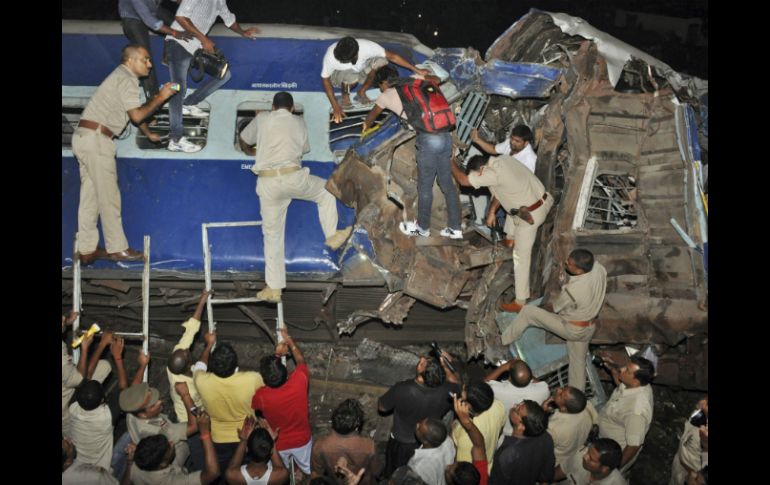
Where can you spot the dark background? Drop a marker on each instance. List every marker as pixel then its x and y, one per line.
pixel 474 23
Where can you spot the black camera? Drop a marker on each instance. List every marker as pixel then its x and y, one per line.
pixel 599 362
pixel 699 418
pixel 212 64
pixel 436 352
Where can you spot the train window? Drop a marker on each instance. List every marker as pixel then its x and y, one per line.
pixel 248 110
pixel 71 110
pixel 344 134
pixel 612 204
pixel 194 129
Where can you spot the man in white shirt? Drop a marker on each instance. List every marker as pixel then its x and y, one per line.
pixel 520 386
pixel 519 145
pixel 352 61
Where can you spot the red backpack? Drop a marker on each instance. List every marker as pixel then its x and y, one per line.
pixel 425 106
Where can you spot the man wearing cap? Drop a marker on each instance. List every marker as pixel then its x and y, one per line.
pixel 522 195
pixel 143 407
pixel 226 393
pixel 115 102
pixel 570 315
pixel 281 139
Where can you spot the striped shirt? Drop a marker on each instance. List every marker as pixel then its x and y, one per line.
pixel 203 14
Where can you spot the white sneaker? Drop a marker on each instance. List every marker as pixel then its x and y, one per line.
pixel 194 111
pixel 183 145
pixel 451 233
pixel 411 228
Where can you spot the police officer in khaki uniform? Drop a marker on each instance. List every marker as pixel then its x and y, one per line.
pixel 571 314
pixel 281 139
pixel 113 104
pixel 627 415
pixel 518 190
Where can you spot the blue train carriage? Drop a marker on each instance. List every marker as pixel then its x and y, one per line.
pixel 168 195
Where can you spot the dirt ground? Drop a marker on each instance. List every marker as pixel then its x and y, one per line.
pixel 366 371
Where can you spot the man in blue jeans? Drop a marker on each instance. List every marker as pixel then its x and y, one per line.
pixel 433 153
pixel 195 17
pixel 137 18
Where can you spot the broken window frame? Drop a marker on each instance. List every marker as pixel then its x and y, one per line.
pixel 592 174
pixel 357 115
pixel 194 129
pixel 72 109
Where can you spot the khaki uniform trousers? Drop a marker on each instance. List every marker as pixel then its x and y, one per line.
pixel 275 194
pixel 577 338
pixel 99 192
pixel 524 236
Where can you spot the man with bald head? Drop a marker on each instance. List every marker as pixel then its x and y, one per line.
pixel 519 386
pixel 180 368
pixel 113 104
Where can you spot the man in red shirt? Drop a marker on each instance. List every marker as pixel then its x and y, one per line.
pixel 283 401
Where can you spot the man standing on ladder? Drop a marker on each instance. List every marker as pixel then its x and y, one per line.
pixel 281 139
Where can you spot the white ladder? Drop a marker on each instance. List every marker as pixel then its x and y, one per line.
pixel 77 303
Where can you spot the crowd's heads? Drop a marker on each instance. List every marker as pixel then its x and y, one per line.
pixel 283 100
pixel 223 360
pixel 433 375
pixel 404 475
pixel 89 395
pixel 603 456
pixel 521 374
pixel 574 399
pixel 180 361
pixel 461 473
pixel 528 418
pixel 479 395
pixel 273 371
pixel 260 445
pixel 386 74
pixel 346 50
pixel 431 432
pixel 476 162
pixel 153 453
pixel 582 259
pixel 348 417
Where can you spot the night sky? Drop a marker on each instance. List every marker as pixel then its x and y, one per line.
pixel 452 23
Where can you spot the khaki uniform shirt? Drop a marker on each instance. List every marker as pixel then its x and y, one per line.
pixel 171 475
pixel 510 181
pixel 570 431
pixel 140 428
pixel 91 433
pixel 490 423
pixel 227 401
pixel 110 103
pixel 627 415
pixel 70 379
pixel 581 298
pixel 191 328
pixel 281 139
pixel 689 448
pixel 577 475
pixel 81 474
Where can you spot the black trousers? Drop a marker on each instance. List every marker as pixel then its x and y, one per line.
pixel 397 454
pixel 138 33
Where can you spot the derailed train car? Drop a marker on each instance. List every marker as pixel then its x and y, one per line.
pixel 621 139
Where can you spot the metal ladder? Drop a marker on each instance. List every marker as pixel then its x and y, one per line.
pixel 207 269
pixel 77 299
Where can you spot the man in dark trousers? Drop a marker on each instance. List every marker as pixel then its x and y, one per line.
pixel 412 400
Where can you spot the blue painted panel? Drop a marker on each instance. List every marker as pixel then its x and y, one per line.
pixel 462 70
pixel 169 199
pixel 531 347
pixel 270 64
pixel 390 126
pixel 518 79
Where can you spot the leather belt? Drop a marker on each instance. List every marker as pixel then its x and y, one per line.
pixel 93 125
pixel 538 203
pixel 581 324
pixel 274 172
